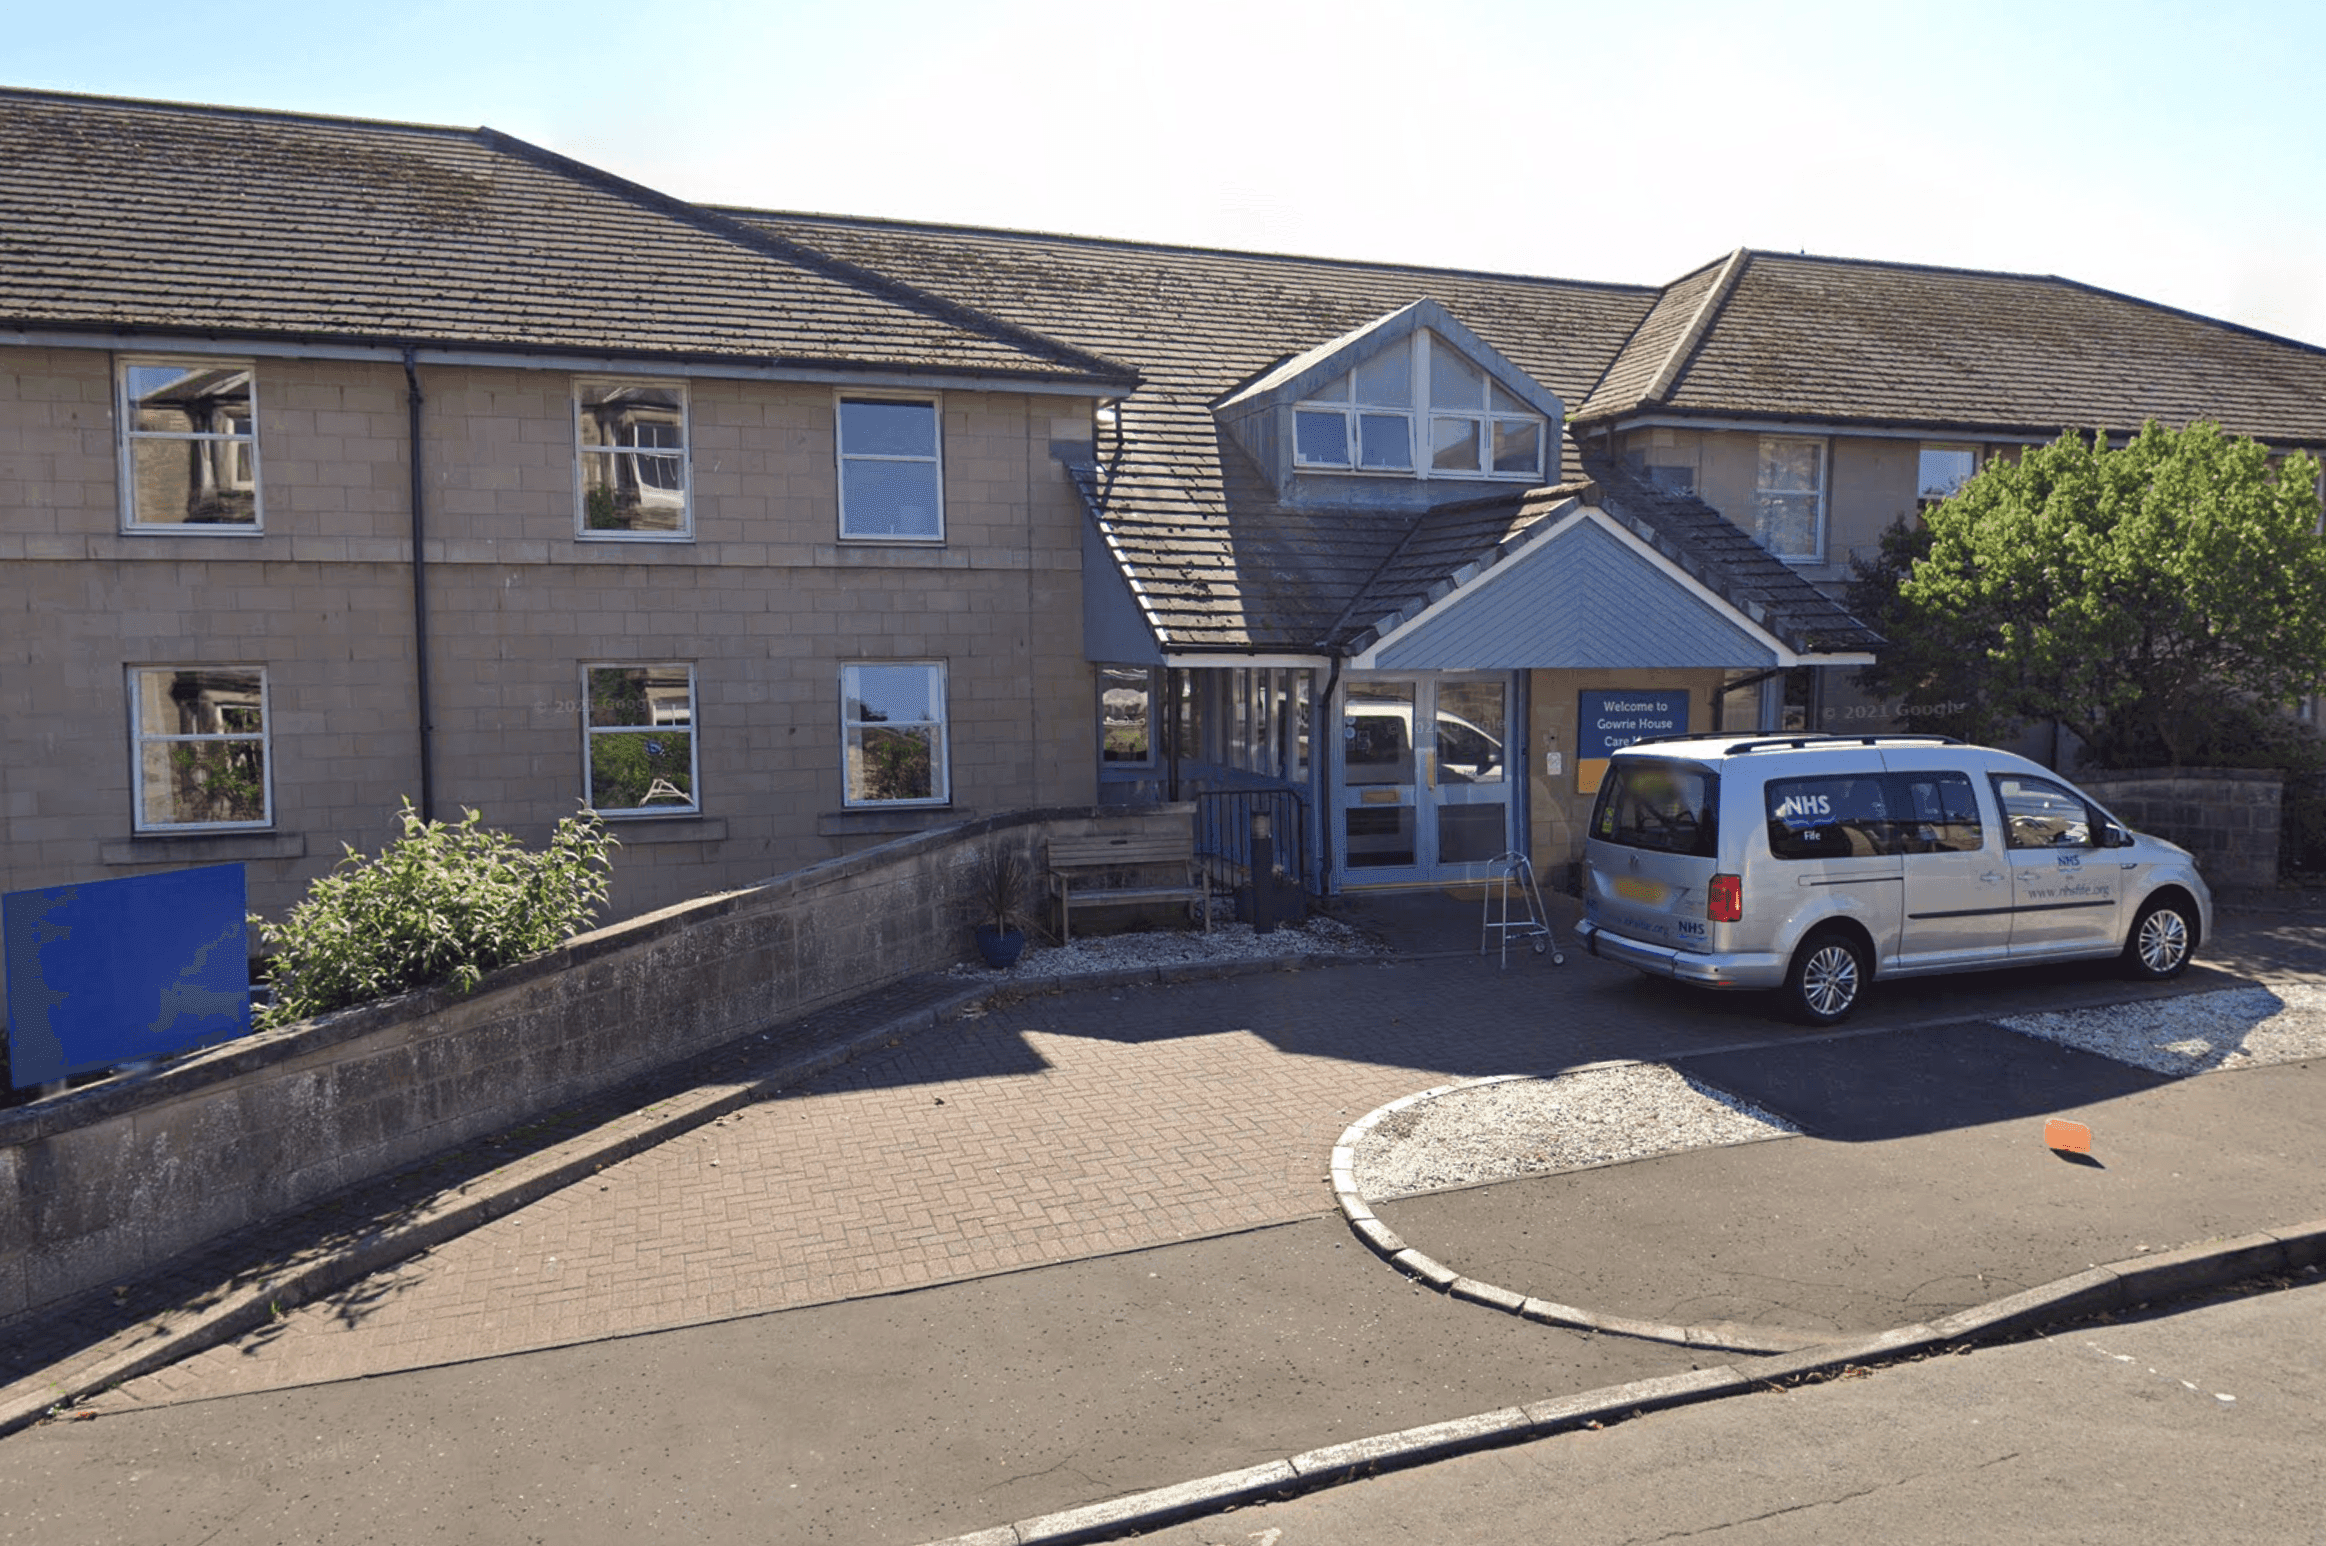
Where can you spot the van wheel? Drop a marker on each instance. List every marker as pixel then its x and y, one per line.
pixel 1828 976
pixel 2161 941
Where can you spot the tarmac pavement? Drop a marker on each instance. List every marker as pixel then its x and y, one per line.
pixel 963 1219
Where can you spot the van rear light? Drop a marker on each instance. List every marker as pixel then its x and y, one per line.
pixel 1725 903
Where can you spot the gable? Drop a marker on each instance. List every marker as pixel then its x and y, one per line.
pixel 1582 599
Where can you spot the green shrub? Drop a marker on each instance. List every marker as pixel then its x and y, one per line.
pixel 444 903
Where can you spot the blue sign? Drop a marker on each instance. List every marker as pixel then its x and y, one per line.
pixel 1609 721
pixel 117 971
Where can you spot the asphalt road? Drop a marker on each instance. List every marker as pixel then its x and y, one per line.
pixel 2202 1427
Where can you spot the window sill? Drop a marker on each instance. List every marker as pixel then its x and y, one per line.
pixel 204 848
pixel 880 822
pixel 648 831
pixel 633 536
pixel 197 529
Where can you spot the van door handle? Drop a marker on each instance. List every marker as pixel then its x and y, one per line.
pixel 1989 878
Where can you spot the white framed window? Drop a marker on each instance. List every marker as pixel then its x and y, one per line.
pixel 638 739
pixel 1127 696
pixel 198 738
pixel 1376 418
pixel 188 445
pixel 1940 470
pixel 892 733
pixel 892 470
pixel 1789 498
pixel 630 438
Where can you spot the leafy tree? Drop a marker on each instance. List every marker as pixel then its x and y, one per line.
pixel 444 903
pixel 2148 598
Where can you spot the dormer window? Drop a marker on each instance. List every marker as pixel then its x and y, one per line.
pixel 1366 420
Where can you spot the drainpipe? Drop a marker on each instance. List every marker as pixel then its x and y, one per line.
pixel 1320 776
pixel 412 400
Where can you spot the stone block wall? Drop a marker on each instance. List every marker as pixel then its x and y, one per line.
pixel 763 600
pixel 2227 817
pixel 105 1182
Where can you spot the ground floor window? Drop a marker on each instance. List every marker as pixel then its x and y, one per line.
pixel 1126 715
pixel 639 739
pixel 893 733
pixel 200 747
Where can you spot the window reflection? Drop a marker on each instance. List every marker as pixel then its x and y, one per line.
pixel 192 435
pixel 633 454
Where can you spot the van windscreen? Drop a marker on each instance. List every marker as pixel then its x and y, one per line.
pixel 1648 802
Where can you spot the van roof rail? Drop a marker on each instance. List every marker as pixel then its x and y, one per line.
pixel 1820 738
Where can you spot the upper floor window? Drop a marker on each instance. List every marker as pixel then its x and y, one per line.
pixel 189 445
pixel 892 474
pixel 1941 470
pixel 1789 498
pixel 639 739
pixel 199 747
pixel 631 437
pixel 1419 398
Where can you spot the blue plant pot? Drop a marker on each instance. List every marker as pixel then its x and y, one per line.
pixel 1000 947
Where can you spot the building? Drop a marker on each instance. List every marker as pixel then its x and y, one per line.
pixel 358 462
pixel 355 461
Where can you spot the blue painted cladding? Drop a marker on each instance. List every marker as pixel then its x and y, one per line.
pixel 1114 630
pixel 1584 600
pixel 118 971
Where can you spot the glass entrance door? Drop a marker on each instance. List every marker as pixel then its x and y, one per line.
pixel 1423 792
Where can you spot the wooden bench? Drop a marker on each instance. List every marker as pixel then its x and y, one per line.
pixel 1081 867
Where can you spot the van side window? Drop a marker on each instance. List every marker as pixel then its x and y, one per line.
pixel 2037 814
pixel 1669 806
pixel 1935 813
pixel 1841 816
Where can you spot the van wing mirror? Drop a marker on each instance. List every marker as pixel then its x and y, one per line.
pixel 2114 836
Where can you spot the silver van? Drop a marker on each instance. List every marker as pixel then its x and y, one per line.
pixel 1814 864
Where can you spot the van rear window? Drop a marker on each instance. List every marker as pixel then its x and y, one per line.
pixel 1670 806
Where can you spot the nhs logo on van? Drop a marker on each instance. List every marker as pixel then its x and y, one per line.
pixel 1802 806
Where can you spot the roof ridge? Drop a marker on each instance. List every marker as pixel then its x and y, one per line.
pixel 1715 297
pixel 854 275
pixel 222 110
pixel 1140 244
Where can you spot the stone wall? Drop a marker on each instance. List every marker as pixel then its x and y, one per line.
pixel 2227 817
pixel 105 1182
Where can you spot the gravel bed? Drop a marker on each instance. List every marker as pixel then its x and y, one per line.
pixel 1173 947
pixel 2233 1028
pixel 1520 1127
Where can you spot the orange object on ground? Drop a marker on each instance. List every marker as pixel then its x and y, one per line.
pixel 2067 1137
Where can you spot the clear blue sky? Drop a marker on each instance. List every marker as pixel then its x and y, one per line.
pixel 2172 151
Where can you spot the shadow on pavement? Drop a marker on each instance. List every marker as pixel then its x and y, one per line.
pixel 1863 1089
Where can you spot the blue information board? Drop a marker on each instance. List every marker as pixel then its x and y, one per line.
pixel 116 971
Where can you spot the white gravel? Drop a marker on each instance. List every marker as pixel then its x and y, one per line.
pixel 1504 1128
pixel 2195 1033
pixel 1172 947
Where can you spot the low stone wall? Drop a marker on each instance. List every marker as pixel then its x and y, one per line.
pixel 102 1183
pixel 2227 817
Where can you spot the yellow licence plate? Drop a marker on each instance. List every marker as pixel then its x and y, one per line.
pixel 1633 889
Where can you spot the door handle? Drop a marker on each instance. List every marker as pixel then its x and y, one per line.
pixel 1989 878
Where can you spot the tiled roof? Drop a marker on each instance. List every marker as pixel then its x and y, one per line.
pixel 1843 341
pixel 1219 564
pixel 200 221
pixel 1727 561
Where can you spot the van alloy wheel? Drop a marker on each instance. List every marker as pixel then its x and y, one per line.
pixel 1827 978
pixel 2159 947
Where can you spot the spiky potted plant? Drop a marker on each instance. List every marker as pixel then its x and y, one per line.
pixel 1000 893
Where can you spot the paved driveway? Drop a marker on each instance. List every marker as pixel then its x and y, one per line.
pixel 1067 1125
